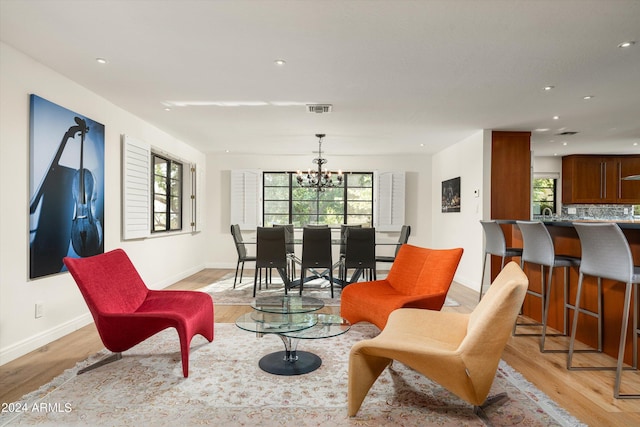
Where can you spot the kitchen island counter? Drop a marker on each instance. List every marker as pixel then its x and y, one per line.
pixel 566 242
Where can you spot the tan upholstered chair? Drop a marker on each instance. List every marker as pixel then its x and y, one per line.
pixel 459 351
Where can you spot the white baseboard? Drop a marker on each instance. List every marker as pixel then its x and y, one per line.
pixel 176 277
pixel 34 342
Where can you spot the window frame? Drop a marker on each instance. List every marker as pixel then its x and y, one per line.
pixel 292 184
pixel 169 195
pixel 554 201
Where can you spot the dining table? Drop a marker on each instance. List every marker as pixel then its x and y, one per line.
pixel 324 274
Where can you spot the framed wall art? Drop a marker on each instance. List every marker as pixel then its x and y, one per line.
pixel 66 185
pixel 451 195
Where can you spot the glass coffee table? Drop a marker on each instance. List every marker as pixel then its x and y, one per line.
pixel 292 318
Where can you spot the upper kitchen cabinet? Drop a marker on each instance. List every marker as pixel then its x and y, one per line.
pixel 629 191
pixel 599 179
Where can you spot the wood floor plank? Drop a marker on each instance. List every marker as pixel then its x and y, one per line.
pixel 587 395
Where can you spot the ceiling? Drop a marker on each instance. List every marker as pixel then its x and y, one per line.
pixel 402 76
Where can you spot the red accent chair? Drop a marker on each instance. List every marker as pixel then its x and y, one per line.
pixel 418 278
pixel 126 312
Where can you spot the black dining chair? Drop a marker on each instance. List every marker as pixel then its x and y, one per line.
pixel 360 254
pixel 343 244
pixel 405 231
pixel 242 251
pixel 316 253
pixel 291 249
pixel 271 252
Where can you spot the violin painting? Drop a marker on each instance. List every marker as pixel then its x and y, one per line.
pixel 86 234
pixel 67 187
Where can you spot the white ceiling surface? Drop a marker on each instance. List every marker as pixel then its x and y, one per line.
pixel 398 73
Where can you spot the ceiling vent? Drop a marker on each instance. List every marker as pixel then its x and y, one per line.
pixel 319 108
pixel 568 133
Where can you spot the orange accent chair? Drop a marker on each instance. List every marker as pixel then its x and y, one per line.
pixel 419 278
pixel 126 312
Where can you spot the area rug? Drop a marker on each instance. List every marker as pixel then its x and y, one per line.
pixel 227 388
pixel 223 292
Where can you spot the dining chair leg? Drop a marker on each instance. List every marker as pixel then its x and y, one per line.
pixel 255 281
pixel 236 278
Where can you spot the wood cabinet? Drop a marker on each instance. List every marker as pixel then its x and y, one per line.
pixel 629 191
pixel 599 179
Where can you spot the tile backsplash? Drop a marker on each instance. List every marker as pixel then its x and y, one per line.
pixel 606 212
pixel 621 212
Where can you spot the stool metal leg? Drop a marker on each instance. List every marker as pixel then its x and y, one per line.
pixel 565 318
pixel 577 310
pixel 623 341
pixel 543 298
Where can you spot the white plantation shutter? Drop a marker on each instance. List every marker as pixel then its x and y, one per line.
pixel 245 198
pixel 136 181
pixel 198 205
pixel 389 200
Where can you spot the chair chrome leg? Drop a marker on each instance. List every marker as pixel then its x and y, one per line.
pixel 109 359
pixel 498 399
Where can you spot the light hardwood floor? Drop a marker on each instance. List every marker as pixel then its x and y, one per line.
pixel 588 395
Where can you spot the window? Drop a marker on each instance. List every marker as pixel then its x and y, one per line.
pixel 285 202
pixel 166 194
pixel 544 195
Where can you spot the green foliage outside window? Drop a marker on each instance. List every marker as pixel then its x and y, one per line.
pixel 285 202
pixel 167 194
pixel 544 195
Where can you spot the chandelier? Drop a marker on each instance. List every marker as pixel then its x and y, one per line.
pixel 321 178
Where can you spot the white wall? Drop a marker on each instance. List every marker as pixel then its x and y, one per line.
pixel 221 251
pixel 461 229
pixel 160 261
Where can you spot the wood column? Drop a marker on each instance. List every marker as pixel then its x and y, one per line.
pixel 510 183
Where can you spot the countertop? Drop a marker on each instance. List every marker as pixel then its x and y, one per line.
pixel 623 224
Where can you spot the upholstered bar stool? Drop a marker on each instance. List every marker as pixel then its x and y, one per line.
pixel 538 249
pixel 495 244
pixel 606 255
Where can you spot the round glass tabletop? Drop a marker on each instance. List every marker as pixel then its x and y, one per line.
pixel 326 326
pixel 287 304
pixel 275 323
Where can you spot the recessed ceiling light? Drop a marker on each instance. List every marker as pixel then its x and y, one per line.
pixel 422 145
pixel 635 143
pixel 555 154
pixel 626 44
pixel 587 97
pixel 542 129
pixel 548 88
pixel 101 60
pixel 167 109
pixel 556 117
pixel 280 62
pixel 564 143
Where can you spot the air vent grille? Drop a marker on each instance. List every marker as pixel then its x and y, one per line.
pixel 567 133
pixel 319 108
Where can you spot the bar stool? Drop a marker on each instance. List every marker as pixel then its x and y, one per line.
pixel 495 244
pixel 606 255
pixel 538 249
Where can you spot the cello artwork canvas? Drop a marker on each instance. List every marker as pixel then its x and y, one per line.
pixel 66 204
